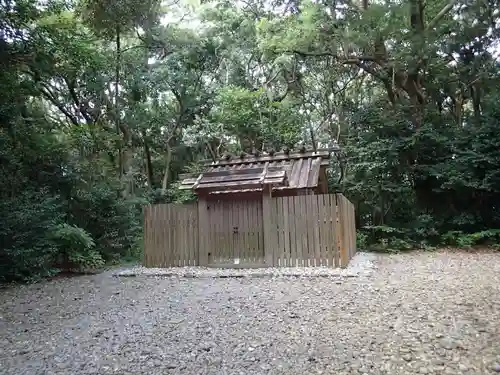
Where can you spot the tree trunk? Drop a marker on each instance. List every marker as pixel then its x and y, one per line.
pixel 168 161
pixel 117 85
pixel 149 164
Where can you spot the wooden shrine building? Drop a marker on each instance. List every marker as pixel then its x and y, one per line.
pixel 270 210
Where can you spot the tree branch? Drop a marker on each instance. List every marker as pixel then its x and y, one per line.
pixel 79 105
pixel 48 95
pixel 341 59
pixel 440 15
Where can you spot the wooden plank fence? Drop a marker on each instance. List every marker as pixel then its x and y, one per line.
pixel 302 231
pixel 171 235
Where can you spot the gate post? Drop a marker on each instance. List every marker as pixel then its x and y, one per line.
pixel 203 232
pixel 268 226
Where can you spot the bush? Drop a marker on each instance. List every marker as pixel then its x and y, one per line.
pixel 28 250
pixel 76 248
pixel 114 222
pixel 467 240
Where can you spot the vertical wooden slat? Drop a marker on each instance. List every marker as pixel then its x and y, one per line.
pixel 284 251
pixel 203 244
pixel 237 223
pixel 259 223
pixel 251 231
pixel 230 251
pixel 280 250
pixel 209 239
pixel 275 228
pixel 324 228
pixel 215 227
pixel 181 230
pixel 239 236
pixel 273 231
pixel 303 231
pixel 145 239
pixel 195 233
pixel 171 229
pixel 321 229
pixel 185 231
pixel 162 244
pixel 221 219
pixel 211 227
pixel 245 227
pixel 349 229
pixel 330 222
pixel 299 226
pixel 291 233
pixel 342 232
pixel 234 236
pixel 218 225
pixel 353 223
pixel 269 235
pixel 159 236
pixel 286 233
pixel 333 248
pixel 353 230
pixel 177 216
pixel 315 228
pixel 188 236
pixel 154 224
pixel 308 229
pixel 227 250
pixel 165 239
pixel 220 239
pixel 297 240
pixel 333 228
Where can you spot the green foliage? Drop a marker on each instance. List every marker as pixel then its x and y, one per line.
pixel 113 222
pixel 252 117
pixel 109 15
pixel 460 239
pixel 413 106
pixel 76 248
pixel 28 250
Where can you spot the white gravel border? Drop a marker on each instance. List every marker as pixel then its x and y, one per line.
pixel 361 264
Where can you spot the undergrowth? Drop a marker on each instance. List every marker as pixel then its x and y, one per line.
pixel 389 239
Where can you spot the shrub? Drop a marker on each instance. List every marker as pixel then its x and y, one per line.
pixel 76 248
pixel 28 251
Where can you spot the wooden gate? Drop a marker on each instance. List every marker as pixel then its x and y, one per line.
pixel 235 233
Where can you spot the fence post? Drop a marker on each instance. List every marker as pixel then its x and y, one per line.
pixel 344 257
pixel 267 222
pixel 203 232
pixel 146 237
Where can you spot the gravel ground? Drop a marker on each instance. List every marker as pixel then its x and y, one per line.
pixel 418 313
pixel 361 264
